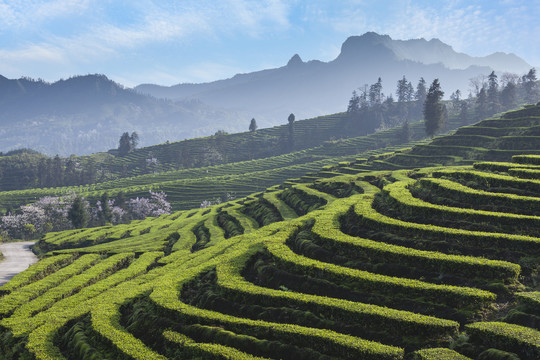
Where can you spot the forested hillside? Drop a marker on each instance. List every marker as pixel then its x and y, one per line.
pixel 351 263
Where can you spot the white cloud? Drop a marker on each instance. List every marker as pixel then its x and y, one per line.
pixel 20 14
pixel 157 23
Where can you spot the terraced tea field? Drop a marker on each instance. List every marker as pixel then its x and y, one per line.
pixel 187 188
pixel 431 263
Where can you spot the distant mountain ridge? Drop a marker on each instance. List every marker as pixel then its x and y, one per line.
pixel 86 114
pixel 315 87
pixel 435 51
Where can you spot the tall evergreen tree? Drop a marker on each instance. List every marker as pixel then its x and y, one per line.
pixel 404 94
pixel 456 99
pixel 354 103
pixel 78 213
pixel 508 96
pixel 493 93
pixel 420 95
pixel 530 86
pixel 124 146
pixel 105 214
pixel 375 93
pixel 481 104
pixel 433 109
pixel 291 119
pixel 253 125
pixel 133 141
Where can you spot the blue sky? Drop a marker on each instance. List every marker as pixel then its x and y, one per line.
pixel 168 42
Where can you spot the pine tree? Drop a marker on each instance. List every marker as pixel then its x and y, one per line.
pixel 433 109
pixel 530 86
pixel 493 93
pixel 354 103
pixel 404 95
pixel 375 93
pixel 291 119
pixel 420 95
pixel 124 146
pixel 481 104
pixel 105 215
pixel 253 125
pixel 78 213
pixel 456 99
pixel 508 96
pixel 133 141
pixel 464 113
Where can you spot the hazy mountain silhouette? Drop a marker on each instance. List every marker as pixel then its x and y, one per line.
pixel 86 114
pixel 314 87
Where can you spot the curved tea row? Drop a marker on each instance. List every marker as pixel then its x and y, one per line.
pixel 424 264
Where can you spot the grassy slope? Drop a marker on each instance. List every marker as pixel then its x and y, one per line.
pixel 383 264
pixel 188 188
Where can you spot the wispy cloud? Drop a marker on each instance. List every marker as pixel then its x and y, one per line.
pixel 478 28
pixel 20 14
pixel 154 22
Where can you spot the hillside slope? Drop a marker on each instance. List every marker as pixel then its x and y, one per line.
pixel 357 271
pixel 425 263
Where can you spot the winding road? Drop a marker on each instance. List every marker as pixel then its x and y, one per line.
pixel 17 258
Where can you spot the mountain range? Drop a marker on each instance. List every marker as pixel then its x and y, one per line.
pixel 86 114
pixel 314 87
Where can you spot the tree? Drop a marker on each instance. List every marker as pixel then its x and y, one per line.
pixel 156 205
pixel 404 94
pixel 530 86
pixel 291 119
pixel 253 125
pixel 433 109
pixel 354 103
pixel 421 91
pixel 508 96
pixel 456 99
pixel 481 104
pixel 420 95
pixel 375 93
pixel 57 171
pixel 464 113
pixel 134 140
pixel 78 213
pixel 493 93
pixel 124 146
pixel 105 213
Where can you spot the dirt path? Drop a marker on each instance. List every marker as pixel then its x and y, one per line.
pixel 17 257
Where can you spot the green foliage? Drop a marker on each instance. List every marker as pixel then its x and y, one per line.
pixel 438 354
pixel 368 265
pixel 78 213
pixel 513 338
pixel 433 109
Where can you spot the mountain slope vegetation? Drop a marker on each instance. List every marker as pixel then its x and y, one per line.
pixel 416 263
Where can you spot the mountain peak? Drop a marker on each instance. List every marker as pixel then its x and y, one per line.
pixel 295 61
pixel 369 44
